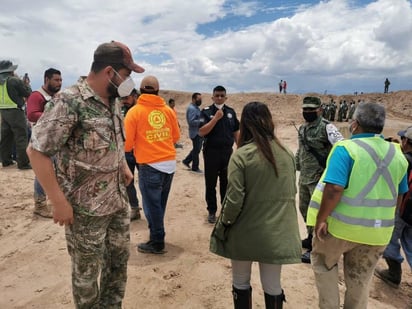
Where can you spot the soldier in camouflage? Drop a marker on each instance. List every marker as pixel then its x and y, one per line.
pixel 82 127
pixel 316 137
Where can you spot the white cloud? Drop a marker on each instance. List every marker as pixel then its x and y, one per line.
pixel 332 45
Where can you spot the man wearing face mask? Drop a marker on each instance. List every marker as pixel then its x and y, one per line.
pixel 193 120
pixel 220 128
pixel 353 207
pixel 316 137
pixel 82 127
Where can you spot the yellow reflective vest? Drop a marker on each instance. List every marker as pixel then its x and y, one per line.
pixel 366 211
pixel 5 101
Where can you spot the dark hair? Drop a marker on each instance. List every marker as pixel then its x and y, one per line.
pixel 97 66
pixel 50 72
pixel 256 125
pixel 171 100
pixel 194 95
pixel 219 88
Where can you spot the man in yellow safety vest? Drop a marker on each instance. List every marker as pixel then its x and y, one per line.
pixel 353 207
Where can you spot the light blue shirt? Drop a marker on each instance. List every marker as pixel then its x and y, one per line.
pixel 340 166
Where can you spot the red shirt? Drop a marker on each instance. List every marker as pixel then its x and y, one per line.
pixel 35 105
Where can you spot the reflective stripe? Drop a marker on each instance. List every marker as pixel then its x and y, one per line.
pixel 356 221
pixel 381 170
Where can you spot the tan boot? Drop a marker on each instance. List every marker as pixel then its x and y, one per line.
pixel 41 208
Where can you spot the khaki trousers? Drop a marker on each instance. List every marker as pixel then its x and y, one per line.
pixel 359 262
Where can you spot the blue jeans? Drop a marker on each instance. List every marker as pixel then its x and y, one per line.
pixel 38 190
pixel 401 235
pixel 193 156
pixel 155 187
pixel 131 189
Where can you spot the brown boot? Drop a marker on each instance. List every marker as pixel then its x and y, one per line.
pixel 41 208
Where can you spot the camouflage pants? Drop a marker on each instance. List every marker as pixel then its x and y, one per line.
pixel 359 261
pixel 99 246
pixel 305 193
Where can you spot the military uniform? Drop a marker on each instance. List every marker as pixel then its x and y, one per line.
pixel 315 141
pixel 87 137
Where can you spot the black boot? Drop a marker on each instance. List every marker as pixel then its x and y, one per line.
pixel 274 301
pixel 242 299
pixel 391 276
pixel 307 242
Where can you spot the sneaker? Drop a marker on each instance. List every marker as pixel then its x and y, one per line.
pixel 198 171
pixel 186 164
pixel 134 214
pixel 151 247
pixel 211 218
pixel 306 257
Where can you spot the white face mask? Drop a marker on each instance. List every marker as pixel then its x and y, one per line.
pixel 126 86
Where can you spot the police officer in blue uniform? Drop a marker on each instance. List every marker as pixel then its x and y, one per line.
pixel 220 128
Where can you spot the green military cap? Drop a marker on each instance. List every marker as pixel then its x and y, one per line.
pixel 311 102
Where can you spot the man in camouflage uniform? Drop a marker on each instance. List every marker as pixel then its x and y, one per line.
pixel 316 137
pixel 82 127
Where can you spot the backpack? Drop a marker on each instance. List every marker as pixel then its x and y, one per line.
pixel 406 206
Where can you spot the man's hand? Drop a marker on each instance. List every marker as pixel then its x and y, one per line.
pixel 321 230
pixel 219 114
pixel 62 212
pixel 128 176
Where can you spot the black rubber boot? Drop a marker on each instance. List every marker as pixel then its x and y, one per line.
pixel 307 242
pixel 242 299
pixel 274 301
pixel 391 276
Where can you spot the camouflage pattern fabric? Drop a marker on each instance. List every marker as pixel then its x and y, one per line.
pixel 315 135
pixel 99 245
pixel 87 138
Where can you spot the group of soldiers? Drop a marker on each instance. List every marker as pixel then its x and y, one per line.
pixel 345 110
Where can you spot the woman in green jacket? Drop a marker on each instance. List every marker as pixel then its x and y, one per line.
pixel 258 221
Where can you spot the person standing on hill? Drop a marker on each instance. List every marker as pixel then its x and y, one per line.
pixel 193 120
pixel 151 132
pixel 219 127
pixel 386 88
pixel 82 126
pixel 353 208
pixel 35 108
pixel 258 221
pixel 13 92
pixel 316 137
pixel 284 86
pixel 280 86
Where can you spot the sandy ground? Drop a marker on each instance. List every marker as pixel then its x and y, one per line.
pixel 35 266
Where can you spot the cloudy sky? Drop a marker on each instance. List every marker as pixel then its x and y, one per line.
pixel 340 46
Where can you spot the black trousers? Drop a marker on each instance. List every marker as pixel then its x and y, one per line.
pixel 216 162
pixel 13 131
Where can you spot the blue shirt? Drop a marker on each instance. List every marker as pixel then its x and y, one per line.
pixel 340 166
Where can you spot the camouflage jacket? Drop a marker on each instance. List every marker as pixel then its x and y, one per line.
pixel 315 135
pixel 87 138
